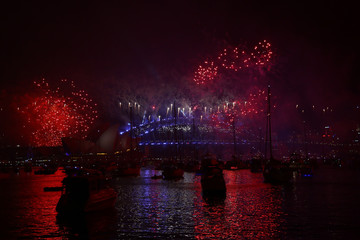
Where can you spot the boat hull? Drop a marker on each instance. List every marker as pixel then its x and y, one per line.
pixel 69 204
pixel 170 174
pixel 256 166
pixel 100 202
pixel 213 186
pixel 277 175
pixel 125 172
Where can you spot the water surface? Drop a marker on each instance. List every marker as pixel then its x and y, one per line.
pixel 323 207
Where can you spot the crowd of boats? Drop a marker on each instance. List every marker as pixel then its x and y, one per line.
pixel 87 187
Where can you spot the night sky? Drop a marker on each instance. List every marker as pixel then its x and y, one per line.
pixel 102 44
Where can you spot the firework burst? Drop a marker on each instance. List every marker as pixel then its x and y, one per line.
pixel 235 59
pixel 245 109
pixel 54 114
pixel 205 73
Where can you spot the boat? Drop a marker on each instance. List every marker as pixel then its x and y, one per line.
pixel 256 165
pixel 192 166
pixel 212 178
pixel 172 171
pixel 232 164
pixel 126 170
pixel 85 191
pixel 157 177
pixel 301 165
pixel 275 171
pixel 46 170
pixel 129 163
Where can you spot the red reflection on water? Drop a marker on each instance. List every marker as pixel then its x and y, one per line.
pixel 33 209
pixel 251 210
pixel 40 206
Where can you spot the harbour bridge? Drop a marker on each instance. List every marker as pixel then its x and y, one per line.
pixel 185 135
pixel 189 136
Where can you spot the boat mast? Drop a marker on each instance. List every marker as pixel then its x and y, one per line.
pixel 234 135
pixel 175 131
pixel 131 131
pixel 193 138
pixel 305 141
pixel 268 140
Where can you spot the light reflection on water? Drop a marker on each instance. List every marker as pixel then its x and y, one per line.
pixel 252 210
pixel 26 210
pixel 157 209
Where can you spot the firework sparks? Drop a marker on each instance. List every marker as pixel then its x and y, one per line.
pixel 234 59
pixel 205 73
pixel 52 114
pixel 241 109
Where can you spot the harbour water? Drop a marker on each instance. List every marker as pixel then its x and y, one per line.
pixel 325 206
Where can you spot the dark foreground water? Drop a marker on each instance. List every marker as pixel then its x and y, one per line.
pixel 323 207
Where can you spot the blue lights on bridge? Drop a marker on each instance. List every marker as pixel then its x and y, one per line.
pixel 183 143
pixel 161 132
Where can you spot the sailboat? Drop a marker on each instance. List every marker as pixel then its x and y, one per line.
pixel 192 164
pixel 212 178
pixel 275 171
pixel 131 166
pixel 85 191
pixel 256 164
pixel 172 169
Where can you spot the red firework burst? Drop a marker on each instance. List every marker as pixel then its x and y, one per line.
pixel 51 115
pixel 244 109
pixel 205 73
pixel 235 59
